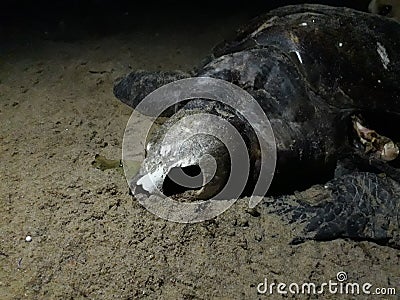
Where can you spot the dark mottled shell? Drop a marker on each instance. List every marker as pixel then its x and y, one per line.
pixel 349 57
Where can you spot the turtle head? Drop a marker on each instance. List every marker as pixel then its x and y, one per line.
pixel 197 168
pixel 198 152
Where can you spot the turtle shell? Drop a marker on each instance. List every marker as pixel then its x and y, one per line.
pixel 349 57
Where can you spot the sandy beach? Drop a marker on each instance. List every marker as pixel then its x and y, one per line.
pixel 90 238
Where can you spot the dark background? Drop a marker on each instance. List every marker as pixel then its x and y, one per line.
pixel 76 19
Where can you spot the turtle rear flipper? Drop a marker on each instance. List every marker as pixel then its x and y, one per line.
pixel 132 88
pixel 359 206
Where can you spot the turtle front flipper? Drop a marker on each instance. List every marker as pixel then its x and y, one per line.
pixel 359 206
pixel 132 88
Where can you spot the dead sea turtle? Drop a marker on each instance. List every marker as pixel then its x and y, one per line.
pixel 328 80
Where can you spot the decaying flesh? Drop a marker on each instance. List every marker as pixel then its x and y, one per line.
pixel 382 147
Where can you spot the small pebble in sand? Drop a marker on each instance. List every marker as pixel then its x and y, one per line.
pixel 28 238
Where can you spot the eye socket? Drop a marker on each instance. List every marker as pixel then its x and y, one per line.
pixel 385 10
